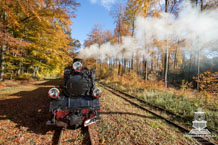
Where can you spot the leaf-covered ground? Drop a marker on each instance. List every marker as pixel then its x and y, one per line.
pixel 123 123
pixel 24 112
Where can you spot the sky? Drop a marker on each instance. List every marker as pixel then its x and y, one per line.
pixel 89 13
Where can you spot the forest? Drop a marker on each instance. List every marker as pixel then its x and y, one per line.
pixel 35 37
pixel 161 54
pixel 149 41
pixel 162 51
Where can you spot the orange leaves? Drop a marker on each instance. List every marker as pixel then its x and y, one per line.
pixel 35 13
pixel 208 81
pixel 36 33
pixel 13 42
pixel 143 7
pixel 95 36
pixel 24 9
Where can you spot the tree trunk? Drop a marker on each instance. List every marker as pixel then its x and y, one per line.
pixel 133 30
pixel 124 66
pixel 158 58
pixel 163 60
pixel 168 61
pixel 114 64
pixel 175 58
pixel 110 63
pixel 100 70
pixel 34 73
pixel 119 68
pixel 198 83
pixel 20 69
pixel 152 63
pixel 202 5
pixel 166 54
pixel 137 66
pixel 3 46
pixel 146 70
pixel 166 6
pixel 133 26
pixel 166 66
pixel 122 70
pixel 11 75
pixel 119 41
pixel 3 62
pixel 190 67
pixel 132 63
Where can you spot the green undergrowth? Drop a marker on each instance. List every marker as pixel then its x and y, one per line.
pixel 178 104
pixel 181 105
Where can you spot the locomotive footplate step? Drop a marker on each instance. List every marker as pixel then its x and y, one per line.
pixel 91 121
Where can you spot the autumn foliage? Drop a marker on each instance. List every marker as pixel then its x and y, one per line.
pixel 208 82
pixel 35 36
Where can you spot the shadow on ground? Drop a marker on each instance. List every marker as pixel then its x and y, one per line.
pixel 53 82
pixel 31 108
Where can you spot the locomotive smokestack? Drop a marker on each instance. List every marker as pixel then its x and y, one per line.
pixel 77 60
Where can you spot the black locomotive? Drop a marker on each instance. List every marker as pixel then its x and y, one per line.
pixel 77 102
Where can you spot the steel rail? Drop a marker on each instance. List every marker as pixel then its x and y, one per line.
pixel 172 114
pixel 56 139
pixel 90 136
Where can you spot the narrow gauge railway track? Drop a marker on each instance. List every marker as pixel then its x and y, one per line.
pixel 56 139
pixel 157 112
pixel 88 133
pixel 156 108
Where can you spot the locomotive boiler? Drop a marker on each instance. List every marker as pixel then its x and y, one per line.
pixel 76 103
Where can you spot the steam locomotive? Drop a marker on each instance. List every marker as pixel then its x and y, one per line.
pixel 76 104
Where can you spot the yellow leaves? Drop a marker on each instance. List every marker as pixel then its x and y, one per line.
pixel 40 28
pixel 24 9
pixel 208 81
pixel 103 142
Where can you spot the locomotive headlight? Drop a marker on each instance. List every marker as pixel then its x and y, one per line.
pixel 53 93
pixel 77 66
pixel 97 93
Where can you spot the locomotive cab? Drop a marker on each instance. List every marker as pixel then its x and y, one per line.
pixel 77 103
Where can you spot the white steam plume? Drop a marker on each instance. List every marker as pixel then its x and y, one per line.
pixel 198 28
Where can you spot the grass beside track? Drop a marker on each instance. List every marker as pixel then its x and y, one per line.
pixel 178 104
